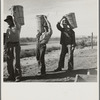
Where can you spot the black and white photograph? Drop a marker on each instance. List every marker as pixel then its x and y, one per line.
pixel 50 41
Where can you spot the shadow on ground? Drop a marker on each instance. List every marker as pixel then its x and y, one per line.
pixel 61 76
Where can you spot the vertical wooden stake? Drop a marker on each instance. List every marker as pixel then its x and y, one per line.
pixel 92 40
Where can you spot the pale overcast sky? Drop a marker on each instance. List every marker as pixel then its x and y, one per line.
pixel 86 12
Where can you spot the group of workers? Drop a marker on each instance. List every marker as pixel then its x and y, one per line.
pixel 12 46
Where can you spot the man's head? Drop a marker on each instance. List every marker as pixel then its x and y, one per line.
pixel 65 23
pixel 9 20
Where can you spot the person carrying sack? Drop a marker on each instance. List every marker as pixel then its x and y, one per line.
pixel 12 47
pixel 42 40
pixel 67 41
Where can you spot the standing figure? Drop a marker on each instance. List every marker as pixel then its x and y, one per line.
pixel 42 40
pixel 67 41
pixel 12 47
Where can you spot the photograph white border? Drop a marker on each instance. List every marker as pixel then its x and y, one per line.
pixel 47 91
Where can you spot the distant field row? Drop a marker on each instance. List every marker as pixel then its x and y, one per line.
pixel 32 45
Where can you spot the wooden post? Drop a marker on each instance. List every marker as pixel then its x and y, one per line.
pixel 92 40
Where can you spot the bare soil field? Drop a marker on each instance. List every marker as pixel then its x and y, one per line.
pixel 84 60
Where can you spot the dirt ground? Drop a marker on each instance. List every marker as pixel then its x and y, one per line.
pixel 85 60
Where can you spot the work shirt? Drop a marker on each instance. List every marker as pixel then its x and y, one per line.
pixel 67 37
pixel 13 34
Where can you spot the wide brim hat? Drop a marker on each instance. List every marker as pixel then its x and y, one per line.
pixel 9 17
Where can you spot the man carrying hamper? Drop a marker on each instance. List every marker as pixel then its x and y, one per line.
pixel 67 41
pixel 43 39
pixel 12 47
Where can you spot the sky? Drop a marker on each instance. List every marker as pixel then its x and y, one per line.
pixel 86 12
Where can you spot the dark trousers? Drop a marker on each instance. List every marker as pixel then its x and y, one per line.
pixel 13 51
pixel 66 49
pixel 40 56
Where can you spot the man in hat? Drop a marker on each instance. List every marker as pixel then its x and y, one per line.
pixel 67 41
pixel 12 46
pixel 43 39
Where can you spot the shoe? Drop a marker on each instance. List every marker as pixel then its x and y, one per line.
pixel 43 73
pixel 58 69
pixel 11 78
pixel 70 68
pixel 17 79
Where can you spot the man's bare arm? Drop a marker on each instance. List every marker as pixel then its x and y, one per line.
pixel 17 24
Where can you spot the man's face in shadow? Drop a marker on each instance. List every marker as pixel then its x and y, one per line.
pixel 9 22
pixel 65 24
